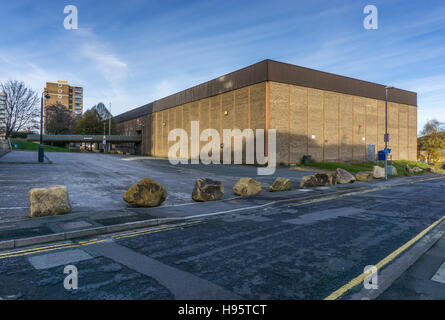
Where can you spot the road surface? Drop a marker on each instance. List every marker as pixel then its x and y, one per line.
pixel 288 251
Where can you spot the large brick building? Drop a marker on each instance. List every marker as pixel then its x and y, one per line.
pixel 327 116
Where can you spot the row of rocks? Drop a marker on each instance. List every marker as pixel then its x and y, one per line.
pixel 210 190
pixel 412 170
pixel 416 169
pixel 342 176
pixel 149 193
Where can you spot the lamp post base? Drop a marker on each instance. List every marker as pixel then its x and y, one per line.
pixel 41 153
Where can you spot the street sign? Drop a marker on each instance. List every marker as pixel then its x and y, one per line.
pixel 104 142
pixel 386 137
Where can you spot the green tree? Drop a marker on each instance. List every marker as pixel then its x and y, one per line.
pixel 432 140
pixel 96 121
pixel 90 123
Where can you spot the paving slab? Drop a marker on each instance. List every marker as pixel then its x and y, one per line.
pixel 23 157
pixel 182 285
pixel 424 279
pixel 63 258
pixel 439 276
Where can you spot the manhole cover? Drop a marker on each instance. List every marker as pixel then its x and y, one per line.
pixel 75 225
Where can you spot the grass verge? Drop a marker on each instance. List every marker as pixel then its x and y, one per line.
pixel 32 146
pixel 354 168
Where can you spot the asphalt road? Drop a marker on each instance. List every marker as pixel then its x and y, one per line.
pixel 289 251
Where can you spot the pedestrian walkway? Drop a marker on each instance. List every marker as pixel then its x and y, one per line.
pixel 22 157
pixel 424 280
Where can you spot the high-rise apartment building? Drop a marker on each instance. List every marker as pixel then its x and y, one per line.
pixel 61 93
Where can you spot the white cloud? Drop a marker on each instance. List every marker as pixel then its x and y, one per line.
pixel 164 88
pixel 100 56
pixel 426 84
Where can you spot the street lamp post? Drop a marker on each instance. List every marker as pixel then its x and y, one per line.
pixel 41 149
pixel 386 130
pixel 109 129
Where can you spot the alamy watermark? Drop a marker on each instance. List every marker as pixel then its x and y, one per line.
pixel 189 147
pixel 371 21
pixel 71 280
pixel 71 20
pixel 371 281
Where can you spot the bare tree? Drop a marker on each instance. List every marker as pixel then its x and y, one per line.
pixel 22 110
pixel 432 127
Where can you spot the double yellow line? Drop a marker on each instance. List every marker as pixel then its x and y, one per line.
pixel 37 250
pixel 153 230
pixel 66 245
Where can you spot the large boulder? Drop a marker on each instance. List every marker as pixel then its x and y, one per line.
pixel 281 184
pixel 308 182
pixel 324 179
pixel 409 169
pixel 431 170
pixel 378 172
pixel 145 193
pixel 341 176
pixel 317 180
pixel 247 187
pixel 51 201
pixel 208 190
pixel 364 176
pixel 417 170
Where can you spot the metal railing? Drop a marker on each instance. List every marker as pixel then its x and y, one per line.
pixel 84 138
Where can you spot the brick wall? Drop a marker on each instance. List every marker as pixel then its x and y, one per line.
pixel 327 125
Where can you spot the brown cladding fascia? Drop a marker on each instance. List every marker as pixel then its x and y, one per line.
pixel 135 113
pixel 304 77
pixel 238 79
pixel 270 70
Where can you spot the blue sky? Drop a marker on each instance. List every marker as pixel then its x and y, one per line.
pixel 133 52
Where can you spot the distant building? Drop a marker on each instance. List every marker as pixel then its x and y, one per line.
pixel 62 93
pixel 65 94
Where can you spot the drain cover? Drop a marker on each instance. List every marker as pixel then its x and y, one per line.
pixel 75 225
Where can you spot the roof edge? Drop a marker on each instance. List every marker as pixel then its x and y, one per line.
pixel 272 70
